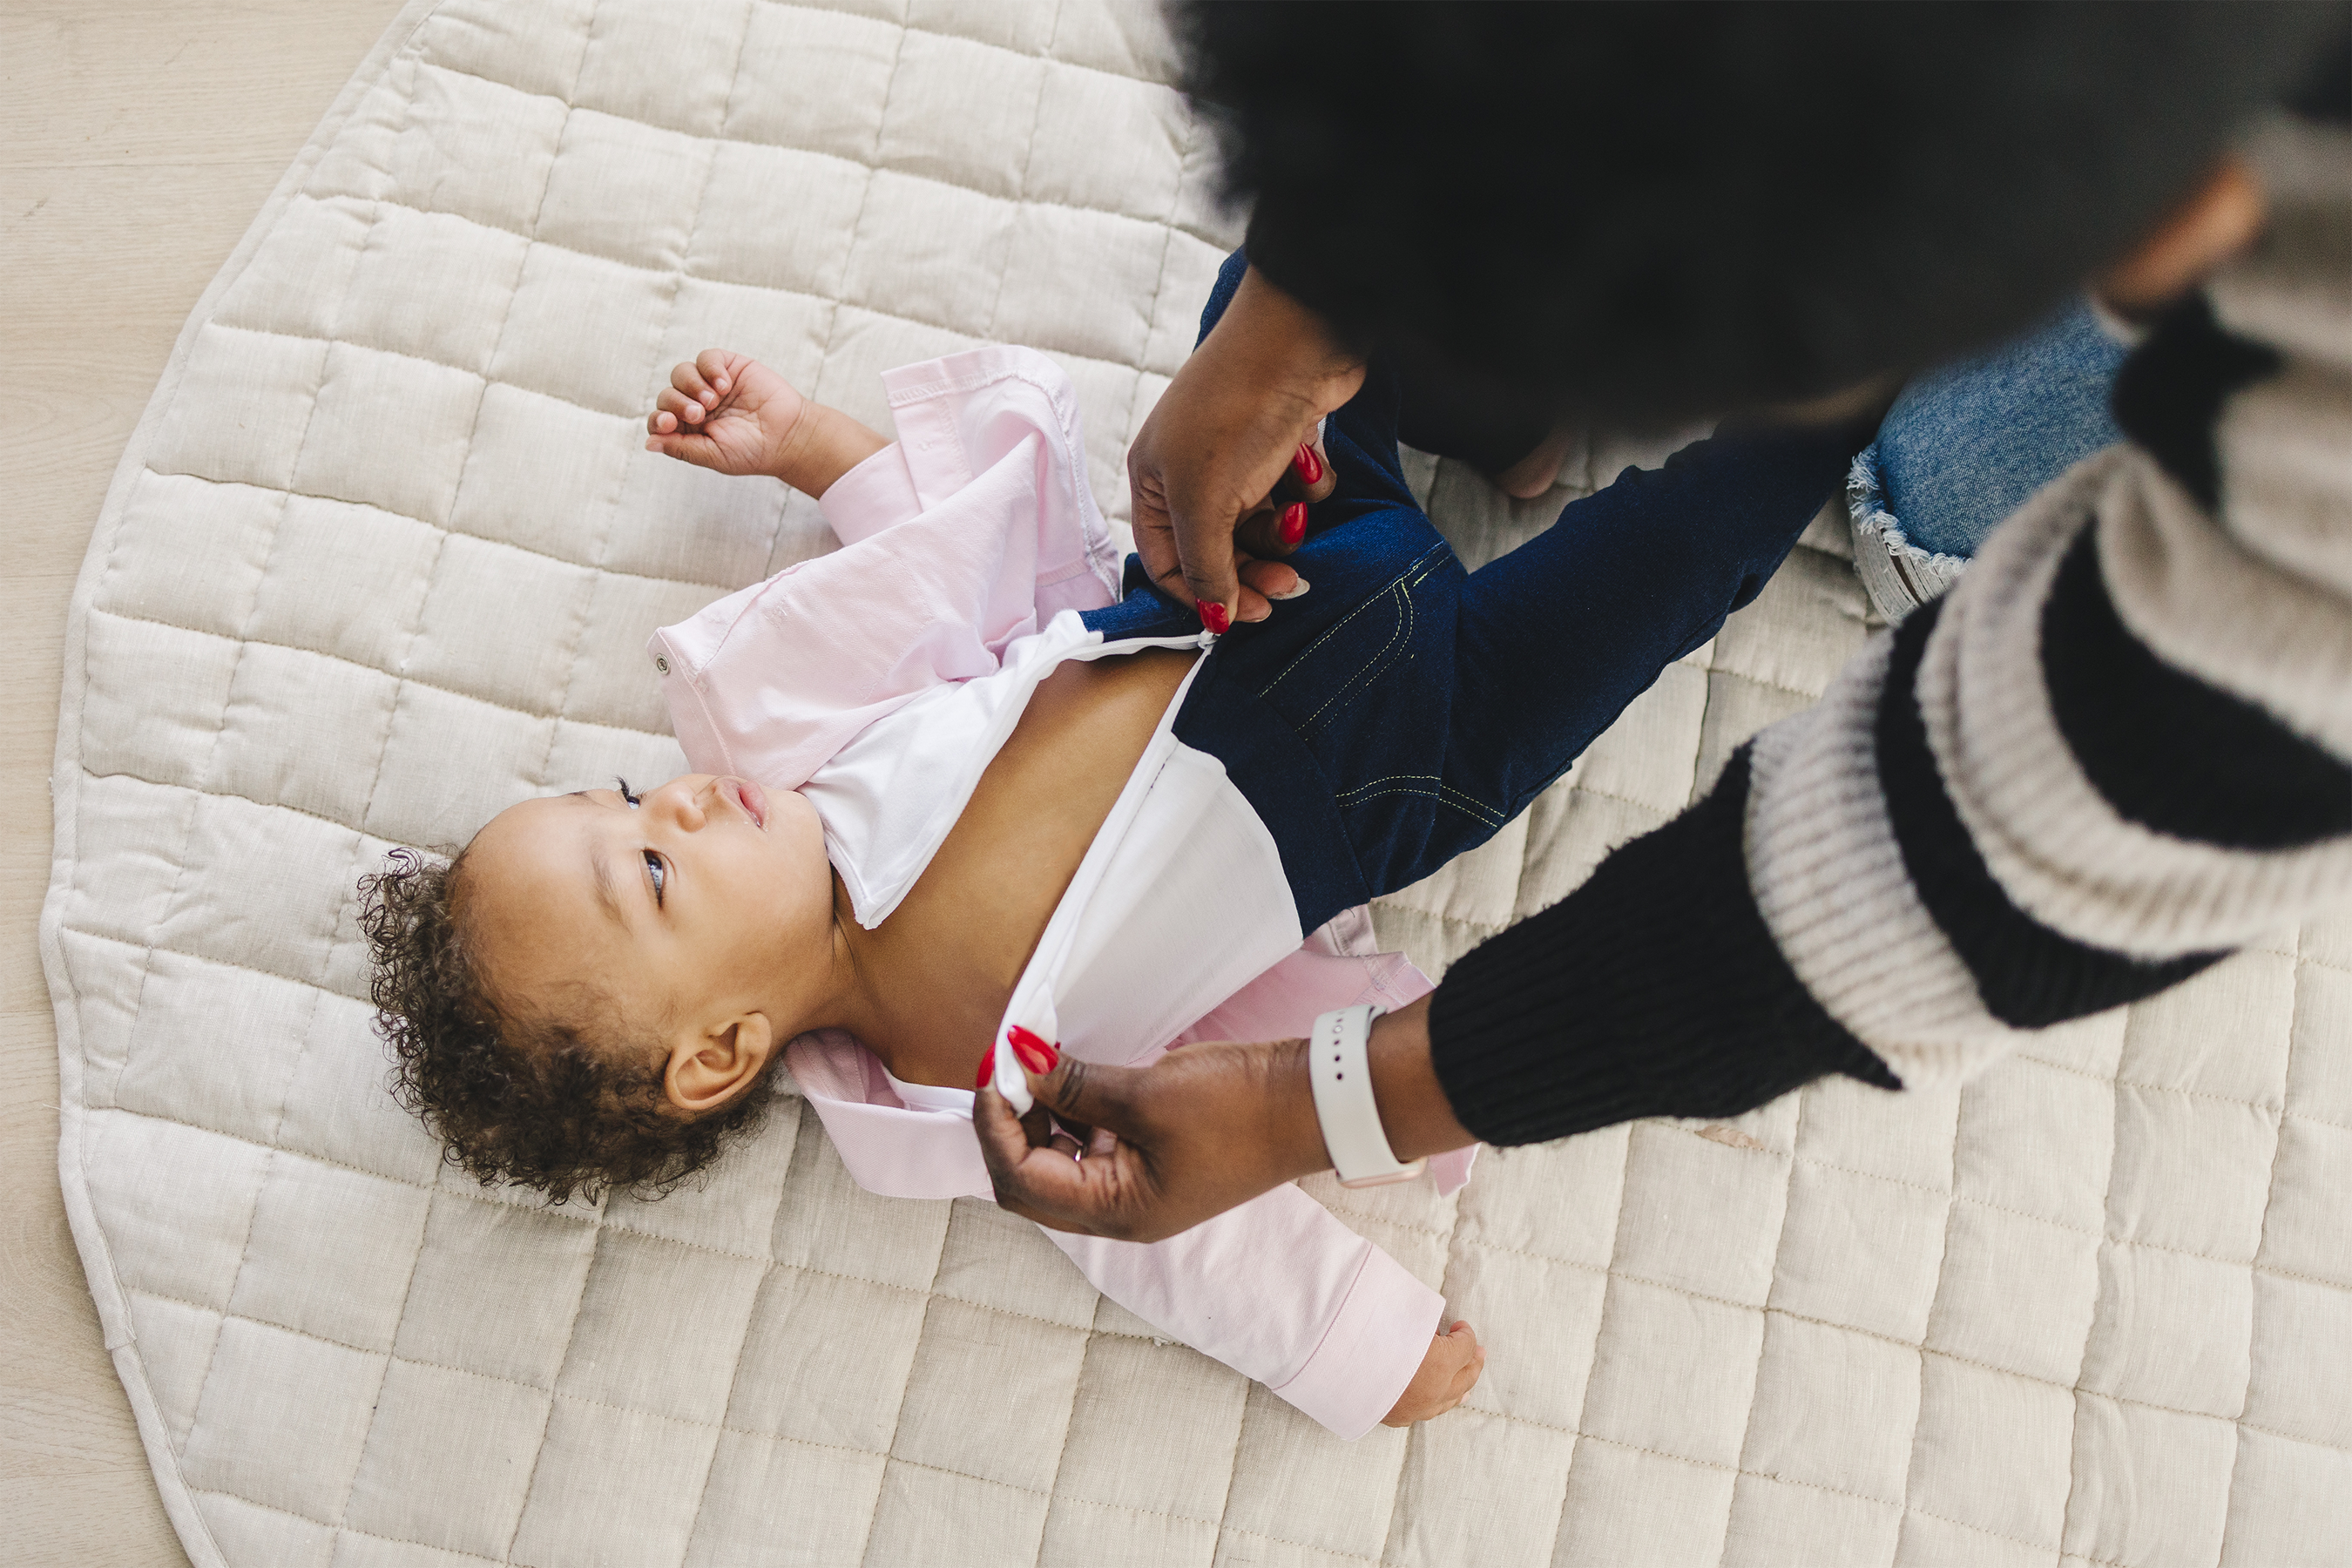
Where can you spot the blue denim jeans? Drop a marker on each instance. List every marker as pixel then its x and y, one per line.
pixel 1404 709
pixel 1965 445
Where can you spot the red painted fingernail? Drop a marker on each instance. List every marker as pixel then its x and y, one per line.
pixel 1294 521
pixel 987 1071
pixel 1214 615
pixel 1311 466
pixel 1035 1053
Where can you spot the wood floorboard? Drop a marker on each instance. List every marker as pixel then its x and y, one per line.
pixel 137 141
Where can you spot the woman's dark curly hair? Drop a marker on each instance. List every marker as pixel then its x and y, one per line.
pixel 1658 211
pixel 524 1096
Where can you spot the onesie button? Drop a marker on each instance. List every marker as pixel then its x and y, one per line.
pixel 661 664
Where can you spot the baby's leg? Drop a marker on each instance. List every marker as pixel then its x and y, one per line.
pixel 1437 704
pixel 1554 639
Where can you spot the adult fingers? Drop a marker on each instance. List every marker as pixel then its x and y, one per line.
pixel 1273 579
pixel 1203 541
pixel 1219 609
pixel 1041 1181
pixel 1270 530
pixel 1088 1094
pixel 1185 514
pixel 1278 525
pixel 1310 477
pixel 1155 542
pixel 1155 531
pixel 1052 1188
pixel 1003 1140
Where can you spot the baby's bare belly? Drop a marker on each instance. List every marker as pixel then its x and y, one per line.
pixel 957 944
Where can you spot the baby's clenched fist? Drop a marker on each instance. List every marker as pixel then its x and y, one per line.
pixel 728 412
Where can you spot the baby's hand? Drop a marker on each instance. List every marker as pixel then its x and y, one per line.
pixel 1447 1372
pixel 729 412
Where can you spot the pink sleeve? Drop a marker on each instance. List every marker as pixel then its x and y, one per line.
pixel 1337 1329
pixel 871 497
pixel 971 532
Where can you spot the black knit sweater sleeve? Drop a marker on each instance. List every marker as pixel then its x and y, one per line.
pixel 1653 990
pixel 2119 749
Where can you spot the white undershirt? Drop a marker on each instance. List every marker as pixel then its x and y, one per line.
pixel 1179 901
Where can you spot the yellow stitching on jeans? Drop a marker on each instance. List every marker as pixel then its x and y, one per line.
pixel 1402 630
pixel 1333 630
pixel 1459 798
pixel 1474 811
pixel 1407 621
pixel 1465 811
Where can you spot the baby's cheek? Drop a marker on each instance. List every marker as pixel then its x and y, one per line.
pixel 788 893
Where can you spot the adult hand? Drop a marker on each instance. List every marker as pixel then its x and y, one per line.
pixel 1160 1149
pixel 1222 452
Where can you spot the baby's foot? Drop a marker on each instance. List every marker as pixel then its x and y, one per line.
pixel 1447 1372
pixel 1535 473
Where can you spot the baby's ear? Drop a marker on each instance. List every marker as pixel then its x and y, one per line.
pixel 709 1067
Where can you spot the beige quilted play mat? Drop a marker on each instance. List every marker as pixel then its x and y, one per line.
pixel 382 558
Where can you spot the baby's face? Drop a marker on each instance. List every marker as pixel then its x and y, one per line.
pixel 708 896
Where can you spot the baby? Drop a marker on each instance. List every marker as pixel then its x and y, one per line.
pixel 962 794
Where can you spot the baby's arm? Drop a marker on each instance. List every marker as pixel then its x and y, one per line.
pixel 1281 1290
pixel 729 412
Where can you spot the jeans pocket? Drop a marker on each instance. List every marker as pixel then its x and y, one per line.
pixel 1326 679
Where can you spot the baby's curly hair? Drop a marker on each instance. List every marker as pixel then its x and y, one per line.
pixel 528 1098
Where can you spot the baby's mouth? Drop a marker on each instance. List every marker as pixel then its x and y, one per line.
pixel 753 801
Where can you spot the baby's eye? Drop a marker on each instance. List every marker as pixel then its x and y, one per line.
pixel 626 796
pixel 655 870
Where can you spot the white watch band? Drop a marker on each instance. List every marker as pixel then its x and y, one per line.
pixel 1339 1068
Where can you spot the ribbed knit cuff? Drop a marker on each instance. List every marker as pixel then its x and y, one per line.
pixel 1653 990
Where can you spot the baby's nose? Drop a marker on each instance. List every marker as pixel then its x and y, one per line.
pixel 685 800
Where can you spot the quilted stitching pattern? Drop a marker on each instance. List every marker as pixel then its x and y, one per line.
pixel 382 562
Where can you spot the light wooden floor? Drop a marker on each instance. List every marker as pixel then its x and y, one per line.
pixel 137 141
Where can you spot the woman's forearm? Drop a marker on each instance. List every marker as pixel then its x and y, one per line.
pixel 1414 1111
pixel 1654 989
